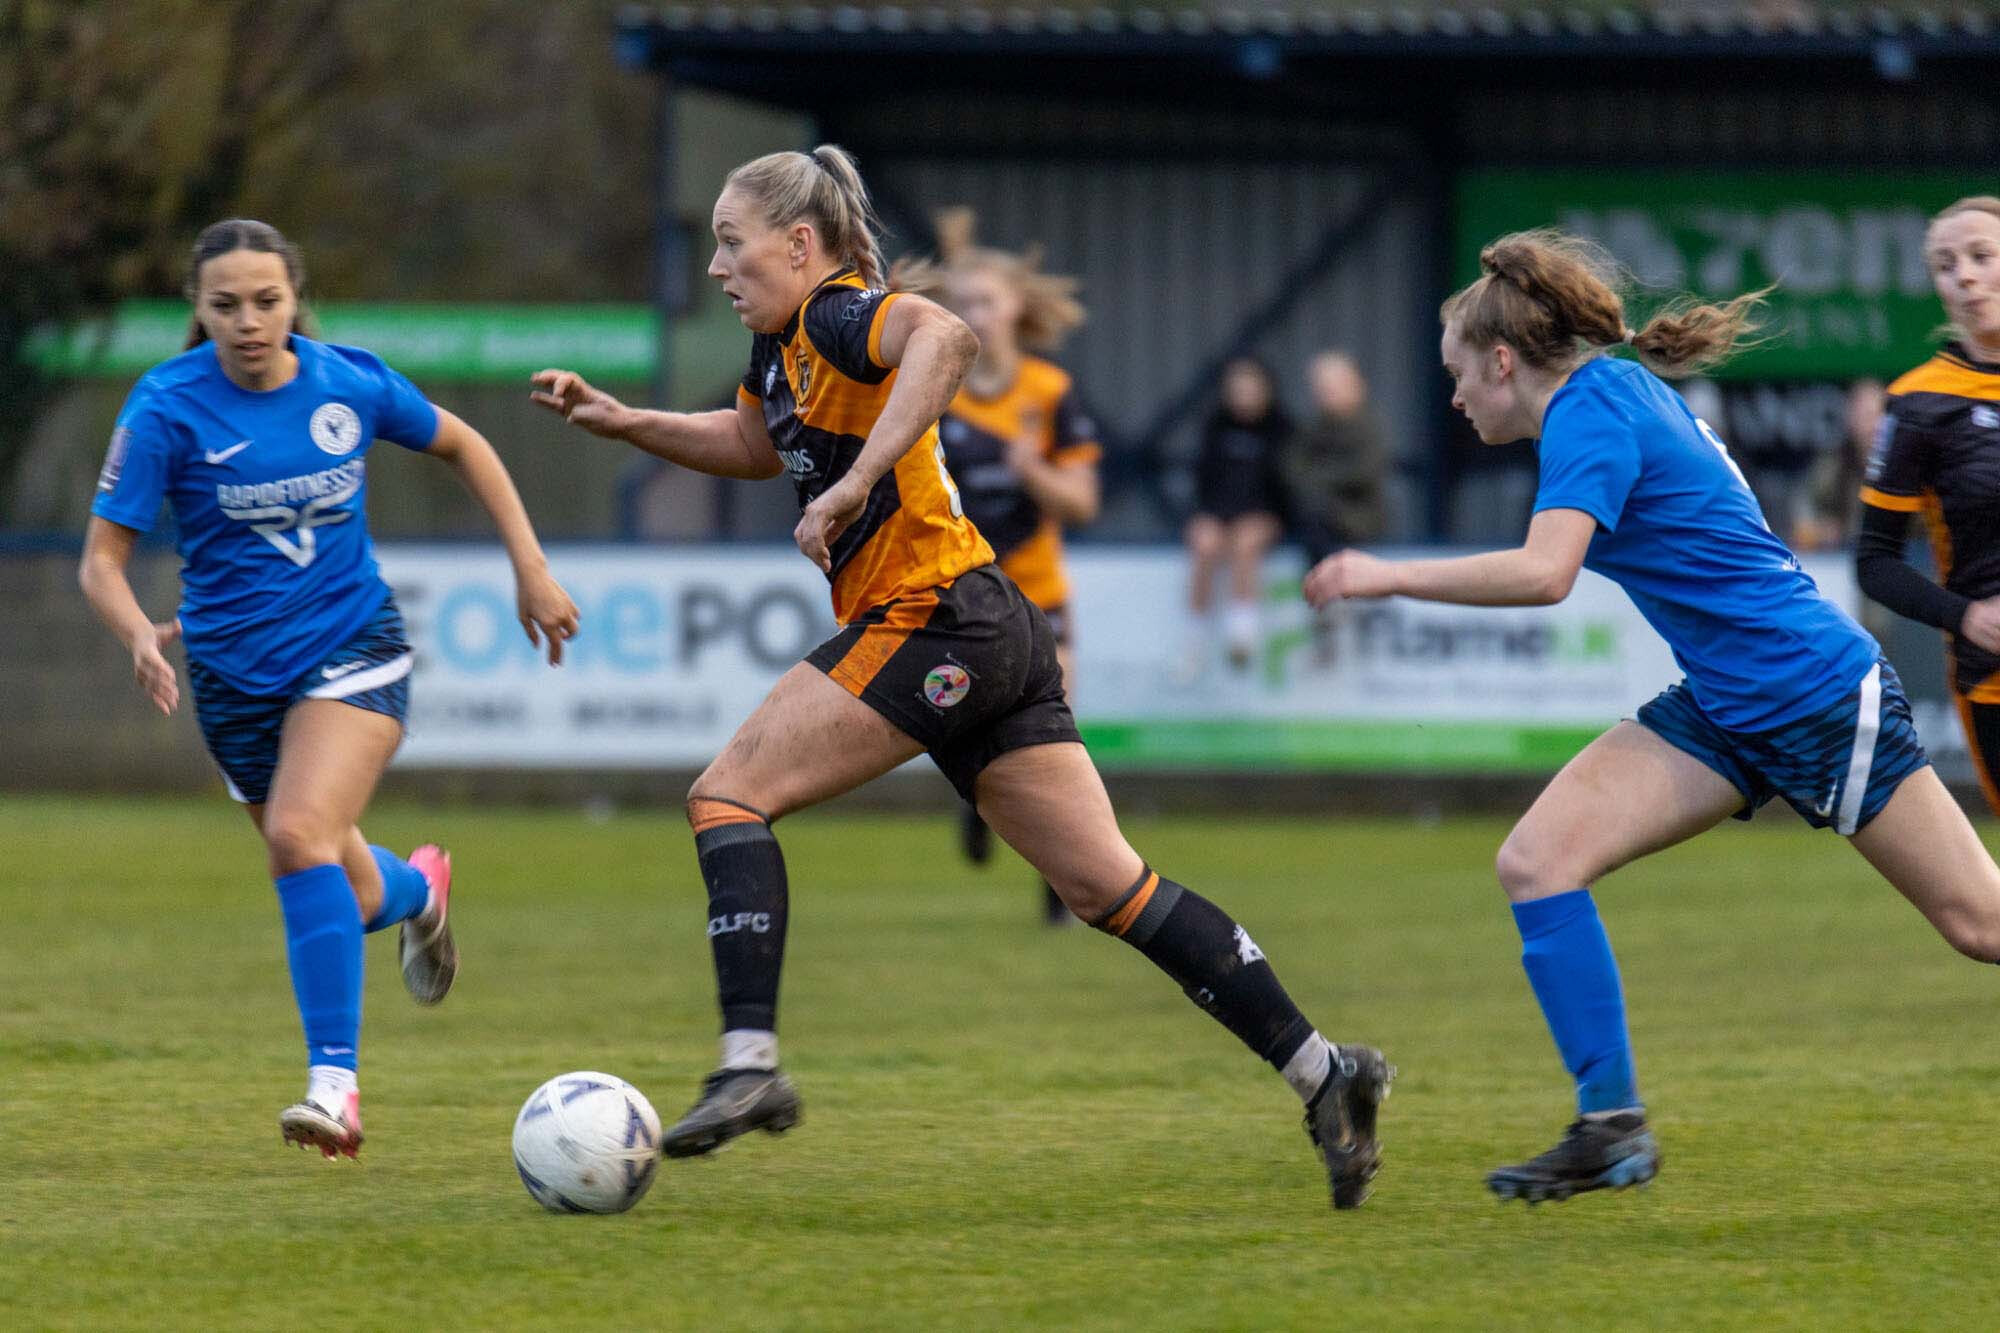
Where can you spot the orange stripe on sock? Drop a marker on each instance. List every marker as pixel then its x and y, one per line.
pixel 878 643
pixel 1121 920
pixel 706 814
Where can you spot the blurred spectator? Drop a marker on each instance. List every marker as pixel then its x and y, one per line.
pixel 1237 503
pixel 1334 469
pixel 1826 514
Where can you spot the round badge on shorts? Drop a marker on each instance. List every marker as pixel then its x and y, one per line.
pixel 946 685
pixel 335 428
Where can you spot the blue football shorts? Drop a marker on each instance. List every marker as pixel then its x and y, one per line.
pixel 371 671
pixel 1837 767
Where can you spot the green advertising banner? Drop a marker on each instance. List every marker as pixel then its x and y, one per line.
pixel 1846 250
pixel 462 343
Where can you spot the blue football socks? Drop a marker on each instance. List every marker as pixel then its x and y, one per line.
pixel 405 891
pixel 323 941
pixel 1568 960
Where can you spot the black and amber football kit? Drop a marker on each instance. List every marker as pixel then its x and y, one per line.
pixel 935 638
pixel 1938 454
pixel 943 644
pixel 1040 407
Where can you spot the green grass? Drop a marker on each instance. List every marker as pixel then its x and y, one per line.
pixel 1006 1128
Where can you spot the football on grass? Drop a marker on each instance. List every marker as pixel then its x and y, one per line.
pixel 587 1143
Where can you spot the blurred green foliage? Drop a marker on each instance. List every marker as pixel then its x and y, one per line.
pixel 471 150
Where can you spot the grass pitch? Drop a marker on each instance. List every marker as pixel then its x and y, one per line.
pixel 1006 1127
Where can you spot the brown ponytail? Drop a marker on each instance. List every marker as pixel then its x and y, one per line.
pixel 822 187
pixel 1554 299
pixel 227 237
pixel 1049 308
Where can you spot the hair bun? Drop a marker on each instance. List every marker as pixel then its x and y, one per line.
pixel 1509 263
pixel 955 227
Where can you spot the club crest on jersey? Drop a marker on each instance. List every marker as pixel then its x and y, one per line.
pixel 946 685
pixel 1984 417
pixel 805 380
pixel 335 428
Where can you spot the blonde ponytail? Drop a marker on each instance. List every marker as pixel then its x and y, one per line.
pixel 1049 308
pixel 822 187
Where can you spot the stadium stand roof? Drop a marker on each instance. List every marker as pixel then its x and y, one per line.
pixel 1203 49
pixel 1352 23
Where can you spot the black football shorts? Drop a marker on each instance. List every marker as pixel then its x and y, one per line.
pixel 968 671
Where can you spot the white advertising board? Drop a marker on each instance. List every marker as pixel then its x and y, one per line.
pixel 679 644
pixel 676 648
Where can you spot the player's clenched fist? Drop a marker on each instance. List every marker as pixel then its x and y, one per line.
pixel 822 522
pixel 1346 574
pixel 572 397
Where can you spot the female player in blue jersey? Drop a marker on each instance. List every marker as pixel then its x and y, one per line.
pixel 1785 695
pixel 256 436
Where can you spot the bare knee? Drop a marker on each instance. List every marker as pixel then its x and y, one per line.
pixel 1205 540
pixel 1091 899
pixel 1972 932
pixel 1248 542
pixel 1096 886
pixel 1524 874
pixel 299 842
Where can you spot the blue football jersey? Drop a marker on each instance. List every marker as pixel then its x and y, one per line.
pixel 1680 532
pixel 268 493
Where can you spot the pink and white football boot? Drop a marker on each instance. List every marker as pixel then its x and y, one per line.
pixel 336 1132
pixel 430 958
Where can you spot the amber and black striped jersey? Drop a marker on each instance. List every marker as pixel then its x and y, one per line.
pixel 1040 406
pixel 821 384
pixel 1938 455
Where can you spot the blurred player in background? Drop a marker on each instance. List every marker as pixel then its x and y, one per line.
pixel 1828 513
pixel 1938 454
pixel 939 653
pixel 1239 503
pixel 1017 443
pixel 1335 470
pixel 256 437
pixel 1785 695
pixel 1335 467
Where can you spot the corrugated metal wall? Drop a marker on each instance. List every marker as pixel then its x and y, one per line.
pixel 1173 256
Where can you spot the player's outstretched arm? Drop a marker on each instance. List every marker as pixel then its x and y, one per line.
pixel 1540 572
pixel 107 550
pixel 931 349
pixel 546 612
pixel 727 443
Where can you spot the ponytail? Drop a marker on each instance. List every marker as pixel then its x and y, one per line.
pixel 1691 336
pixel 1554 299
pixel 822 187
pixel 1049 308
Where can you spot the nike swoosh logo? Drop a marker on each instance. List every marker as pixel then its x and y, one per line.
pixel 225 455
pixel 336 672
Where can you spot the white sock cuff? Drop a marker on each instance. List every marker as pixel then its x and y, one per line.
pixel 749 1048
pixel 1309 1066
pixel 330 1081
pixel 1241 622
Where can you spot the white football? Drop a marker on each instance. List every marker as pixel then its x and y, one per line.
pixel 587 1143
